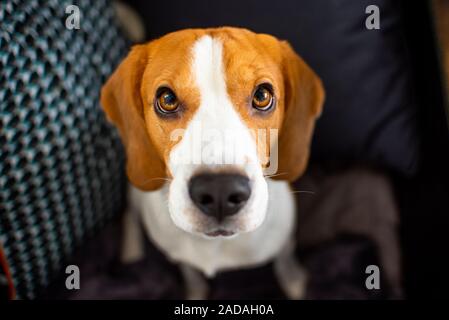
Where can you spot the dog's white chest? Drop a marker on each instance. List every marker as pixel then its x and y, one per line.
pixel 218 254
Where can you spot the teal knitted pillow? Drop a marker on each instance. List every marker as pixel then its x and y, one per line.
pixel 61 164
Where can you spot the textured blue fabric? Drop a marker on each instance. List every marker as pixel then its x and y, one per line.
pixel 61 163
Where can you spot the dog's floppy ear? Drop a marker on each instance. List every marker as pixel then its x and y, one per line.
pixel 304 97
pixel 122 102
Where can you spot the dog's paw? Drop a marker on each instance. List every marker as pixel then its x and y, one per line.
pixel 195 284
pixel 292 277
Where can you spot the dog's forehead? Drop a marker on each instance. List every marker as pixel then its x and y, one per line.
pixel 245 55
pixel 248 55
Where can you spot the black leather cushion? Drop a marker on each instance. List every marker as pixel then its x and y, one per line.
pixel 369 115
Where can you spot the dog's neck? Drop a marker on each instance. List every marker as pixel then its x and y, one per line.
pixel 218 254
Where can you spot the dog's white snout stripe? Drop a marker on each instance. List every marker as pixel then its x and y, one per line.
pixel 216 133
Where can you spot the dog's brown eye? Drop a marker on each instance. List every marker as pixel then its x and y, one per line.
pixel 263 97
pixel 167 101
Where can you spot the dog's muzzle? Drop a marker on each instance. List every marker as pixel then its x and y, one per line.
pixel 219 195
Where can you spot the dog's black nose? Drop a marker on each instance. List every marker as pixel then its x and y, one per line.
pixel 219 195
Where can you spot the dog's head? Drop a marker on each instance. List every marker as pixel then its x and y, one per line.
pixel 209 110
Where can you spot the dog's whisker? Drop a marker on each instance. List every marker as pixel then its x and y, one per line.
pixel 275 175
pixel 303 191
pixel 165 179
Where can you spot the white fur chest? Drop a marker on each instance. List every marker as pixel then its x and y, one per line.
pixel 211 255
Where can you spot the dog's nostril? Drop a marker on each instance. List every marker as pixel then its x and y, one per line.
pixel 219 195
pixel 206 199
pixel 237 198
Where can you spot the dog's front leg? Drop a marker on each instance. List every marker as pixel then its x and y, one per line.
pixel 195 283
pixel 132 245
pixel 291 275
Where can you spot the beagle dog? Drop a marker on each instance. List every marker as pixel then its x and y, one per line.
pixel 215 123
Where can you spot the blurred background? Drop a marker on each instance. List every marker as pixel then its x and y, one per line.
pixel 379 170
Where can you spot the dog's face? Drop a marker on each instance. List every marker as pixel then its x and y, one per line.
pixel 191 108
